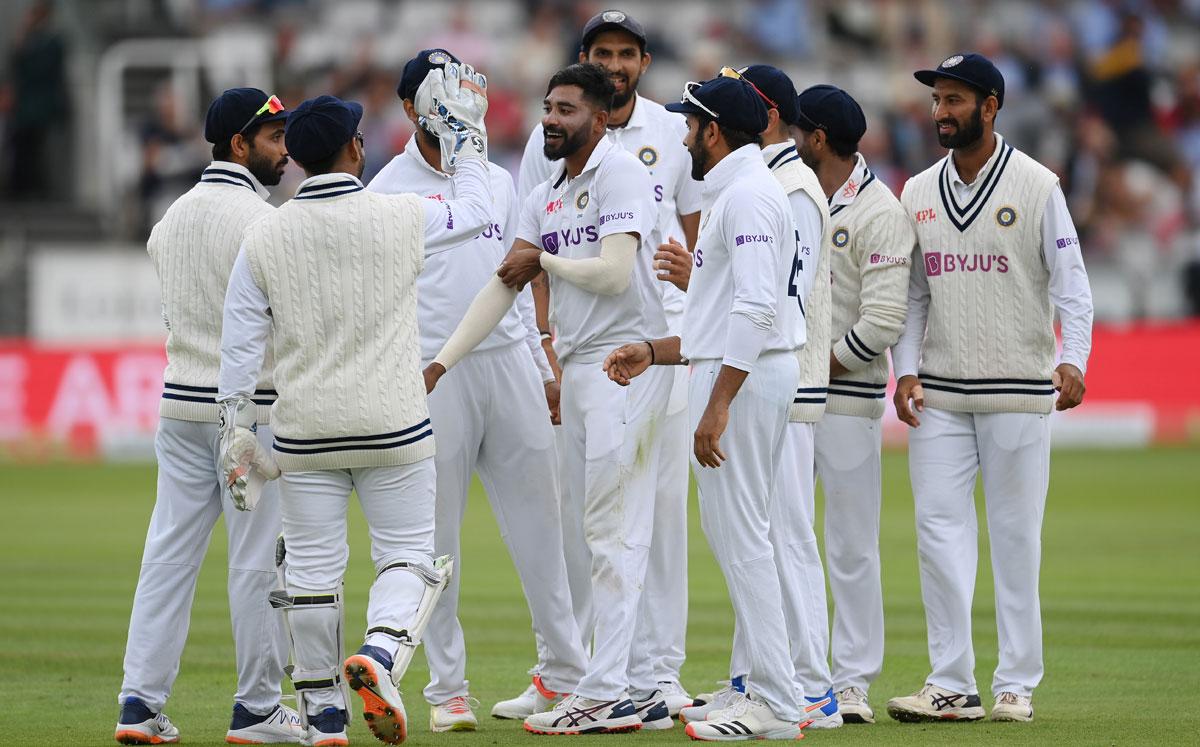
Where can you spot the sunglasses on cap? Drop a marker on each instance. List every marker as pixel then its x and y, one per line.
pixel 689 98
pixel 728 72
pixel 273 106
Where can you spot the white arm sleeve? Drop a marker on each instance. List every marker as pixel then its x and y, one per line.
pixel 485 312
pixel 906 353
pixel 452 222
pixel 245 332
pixel 606 275
pixel 1069 288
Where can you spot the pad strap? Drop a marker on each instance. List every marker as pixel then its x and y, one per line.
pixel 317 679
pixel 281 600
pixel 422 571
pixel 400 635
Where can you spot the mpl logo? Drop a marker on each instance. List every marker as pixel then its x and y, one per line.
pixel 925 216
pixel 748 238
pixel 550 242
pixel 554 205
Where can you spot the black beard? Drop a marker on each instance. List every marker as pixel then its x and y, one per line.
pixel 430 139
pixel 700 158
pixel 806 157
pixel 266 171
pixel 964 136
pixel 572 142
pixel 621 99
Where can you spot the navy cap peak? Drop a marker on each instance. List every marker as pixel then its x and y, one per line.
pixel 235 110
pixel 732 102
pixel 971 68
pixel 829 108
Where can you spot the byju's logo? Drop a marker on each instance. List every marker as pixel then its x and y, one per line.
pixel 750 238
pixel 615 216
pixel 937 263
pixel 550 242
pixel 1068 241
pixel 933 263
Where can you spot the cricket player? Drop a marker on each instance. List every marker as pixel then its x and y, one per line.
pixel 334 272
pixel 584 227
pixel 617 42
pixel 976 381
pixel 870 255
pixel 792 506
pixel 193 248
pixel 741 333
pixel 490 415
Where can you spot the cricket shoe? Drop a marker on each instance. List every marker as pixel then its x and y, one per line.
pixel 675 696
pixel 328 728
pixel 453 715
pixel 853 705
pixel 706 703
pixel 822 712
pixel 137 724
pixel 1012 707
pixel 579 715
pixel 652 710
pixel 932 703
pixel 537 698
pixel 368 673
pixel 280 726
pixel 747 718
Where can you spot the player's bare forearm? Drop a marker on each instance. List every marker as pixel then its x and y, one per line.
pixel 729 382
pixel 666 351
pixel 707 439
pixel 632 360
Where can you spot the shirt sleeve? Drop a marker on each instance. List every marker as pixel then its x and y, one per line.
pixel 245 332
pixel 752 230
pixel 624 198
pixel 525 310
pixel 451 222
pixel 906 355
pixel 1070 291
pixel 884 249
pixel 529 221
pixel 535 167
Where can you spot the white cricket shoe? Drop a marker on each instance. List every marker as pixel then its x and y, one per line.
pixel 280 726
pixel 932 703
pixel 652 710
pixel 383 710
pixel 675 696
pixel 852 702
pixel 453 715
pixel 139 725
pixel 536 699
pixel 747 718
pixel 579 715
pixel 1012 707
pixel 327 729
pixel 709 702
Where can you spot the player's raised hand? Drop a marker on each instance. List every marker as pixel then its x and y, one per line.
pixel 909 388
pixel 673 263
pixel 452 102
pixel 1068 380
pixel 628 361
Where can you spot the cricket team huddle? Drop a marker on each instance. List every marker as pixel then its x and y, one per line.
pixel 709 287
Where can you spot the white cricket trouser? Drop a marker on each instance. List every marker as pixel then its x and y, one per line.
pixel 490 415
pixel 398 503
pixel 737 516
pixel 848 449
pixel 187 507
pixel 610 461
pixel 658 647
pixel 1012 450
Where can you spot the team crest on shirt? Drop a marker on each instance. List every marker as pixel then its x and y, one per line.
pixel 1006 216
pixel 648 156
pixel 438 58
pixel 582 200
pixel 841 237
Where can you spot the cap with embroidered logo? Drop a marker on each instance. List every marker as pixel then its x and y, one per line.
pixel 418 67
pixel 973 69
pixel 319 126
pixel 609 20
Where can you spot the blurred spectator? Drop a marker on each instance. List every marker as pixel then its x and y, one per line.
pixel 37 119
pixel 173 155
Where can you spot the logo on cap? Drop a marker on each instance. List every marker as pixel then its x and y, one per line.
pixel 438 58
pixel 648 155
pixel 582 200
pixel 952 61
pixel 613 16
pixel 1006 216
pixel 841 237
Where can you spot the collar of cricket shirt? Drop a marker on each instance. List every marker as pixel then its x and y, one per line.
pixel 414 152
pixel 730 167
pixel 235 174
pixel 326 186
pixel 602 148
pixel 777 154
pixel 860 177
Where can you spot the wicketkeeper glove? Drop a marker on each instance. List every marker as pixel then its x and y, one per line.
pixel 240 452
pixel 451 102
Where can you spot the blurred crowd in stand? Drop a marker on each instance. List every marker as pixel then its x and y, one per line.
pixel 1104 92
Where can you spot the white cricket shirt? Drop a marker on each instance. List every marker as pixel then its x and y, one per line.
pixel 569 217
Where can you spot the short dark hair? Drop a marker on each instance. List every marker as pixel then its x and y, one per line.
pixel 842 148
pixel 593 80
pixel 324 166
pixel 733 138
pixel 223 150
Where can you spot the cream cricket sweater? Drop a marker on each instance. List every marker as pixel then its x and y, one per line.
pixel 989 339
pixel 872 247
pixel 193 249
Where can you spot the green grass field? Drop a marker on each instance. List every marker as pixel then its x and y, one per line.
pixel 1120 599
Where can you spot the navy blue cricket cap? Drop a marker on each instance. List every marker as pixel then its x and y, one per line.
pixel 418 67
pixel 973 69
pixel 829 108
pixel 235 110
pixel 611 20
pixel 318 127
pixel 775 85
pixel 733 102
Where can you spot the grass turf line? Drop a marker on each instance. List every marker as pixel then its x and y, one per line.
pixel 1120 601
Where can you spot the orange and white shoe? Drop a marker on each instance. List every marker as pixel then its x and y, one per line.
pixel 327 729
pixel 453 715
pixel 537 698
pixel 383 710
pixel 139 725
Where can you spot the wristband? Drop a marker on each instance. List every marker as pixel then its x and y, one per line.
pixel 651 351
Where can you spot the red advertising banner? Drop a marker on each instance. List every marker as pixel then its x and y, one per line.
pixel 84 402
